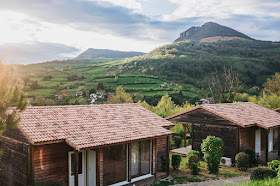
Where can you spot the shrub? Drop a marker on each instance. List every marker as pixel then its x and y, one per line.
pixel 263 173
pixel 242 161
pixel 212 148
pixel 178 141
pixel 192 152
pixel 252 156
pixel 175 161
pixel 193 163
pixel 275 165
pixel 195 152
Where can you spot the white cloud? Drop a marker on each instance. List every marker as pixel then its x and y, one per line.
pixel 131 4
pixel 223 9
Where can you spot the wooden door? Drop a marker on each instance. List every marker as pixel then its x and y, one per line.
pixel 81 168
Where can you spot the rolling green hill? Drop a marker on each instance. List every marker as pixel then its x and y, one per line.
pixel 181 69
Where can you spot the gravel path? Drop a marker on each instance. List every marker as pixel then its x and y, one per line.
pixel 218 182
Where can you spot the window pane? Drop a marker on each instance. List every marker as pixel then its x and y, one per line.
pixel 114 162
pixel 140 158
pixel 145 157
pixel 80 164
pixel 135 159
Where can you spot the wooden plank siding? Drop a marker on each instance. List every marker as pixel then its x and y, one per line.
pixel 14 163
pixel 161 151
pixel 226 133
pixel 247 138
pixel 51 164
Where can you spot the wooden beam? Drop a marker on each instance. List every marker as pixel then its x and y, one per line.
pixel 237 139
pixel 167 155
pixel 278 144
pixel 192 136
pixel 154 159
pixel 185 135
pixel 32 163
pixel 29 165
pixel 266 146
pixel 129 162
pixel 76 168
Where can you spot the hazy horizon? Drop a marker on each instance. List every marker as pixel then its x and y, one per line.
pixel 30 34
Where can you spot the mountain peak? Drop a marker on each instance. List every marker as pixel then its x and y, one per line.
pixel 107 53
pixel 209 30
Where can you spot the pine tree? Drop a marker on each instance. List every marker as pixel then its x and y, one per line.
pixel 12 101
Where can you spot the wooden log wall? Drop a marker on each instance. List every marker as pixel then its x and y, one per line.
pixel 51 164
pixel 14 164
pixel 247 138
pixel 161 151
pixel 227 133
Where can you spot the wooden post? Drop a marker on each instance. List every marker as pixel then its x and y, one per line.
pixel 278 144
pixel 129 162
pixel 237 140
pixel 99 168
pixel 76 167
pixel 154 153
pixel 185 135
pixel 266 146
pixel 167 155
pixel 192 136
pixel 32 164
pixel 29 165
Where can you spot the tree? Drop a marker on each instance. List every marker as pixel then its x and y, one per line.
pixel 119 97
pixel 224 86
pixel 272 86
pixel 41 101
pixel 91 91
pixel 100 86
pixel 12 101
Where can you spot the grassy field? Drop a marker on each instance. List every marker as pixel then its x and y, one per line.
pixel 89 74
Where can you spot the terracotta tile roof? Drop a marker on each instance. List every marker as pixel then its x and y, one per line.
pixel 87 126
pixel 243 114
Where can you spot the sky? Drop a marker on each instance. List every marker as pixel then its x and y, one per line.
pixel 43 30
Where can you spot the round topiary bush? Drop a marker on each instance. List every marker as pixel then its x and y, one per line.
pixel 275 165
pixel 193 163
pixel 178 141
pixel 242 161
pixel 252 156
pixel 263 173
pixel 194 152
pixel 175 161
pixel 212 148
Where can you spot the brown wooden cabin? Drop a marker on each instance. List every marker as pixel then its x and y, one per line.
pixel 121 144
pixel 241 126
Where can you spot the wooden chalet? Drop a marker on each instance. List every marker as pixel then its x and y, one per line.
pixel 241 126
pixel 120 144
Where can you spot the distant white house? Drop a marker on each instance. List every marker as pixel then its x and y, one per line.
pixel 60 97
pixel 92 98
pixel 204 101
pixel 79 93
pixel 100 95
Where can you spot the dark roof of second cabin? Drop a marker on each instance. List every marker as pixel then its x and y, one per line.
pixel 88 126
pixel 242 114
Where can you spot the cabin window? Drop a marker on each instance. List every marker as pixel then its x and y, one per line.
pixel 114 164
pixel 140 158
pixel 80 164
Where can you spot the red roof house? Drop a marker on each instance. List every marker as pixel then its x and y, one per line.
pixel 241 126
pixel 86 145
